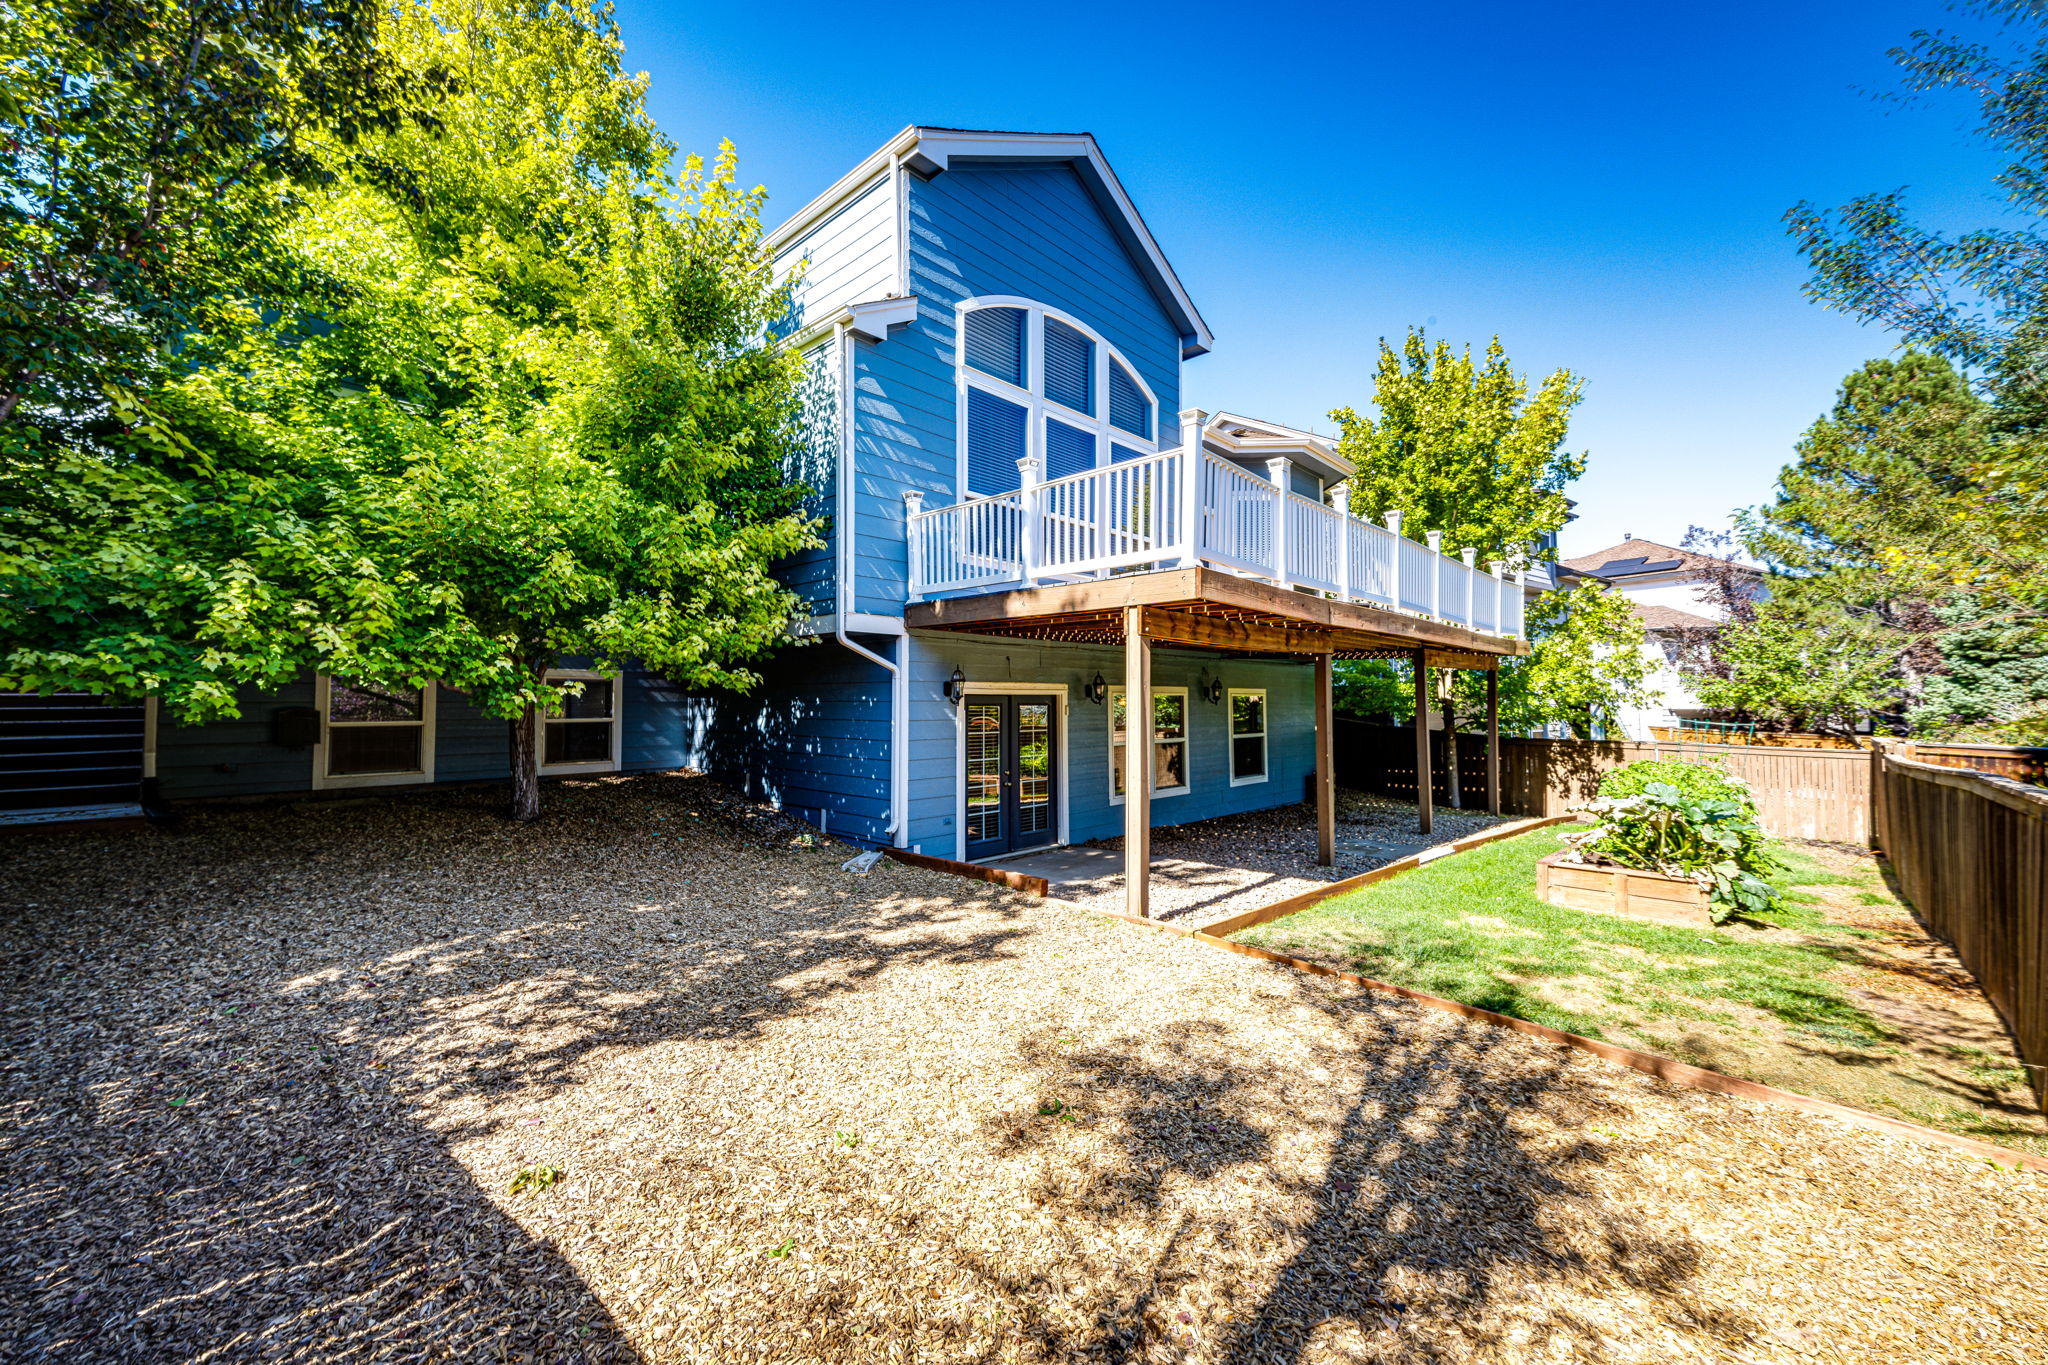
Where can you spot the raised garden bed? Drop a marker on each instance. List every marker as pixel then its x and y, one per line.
pixel 1623 891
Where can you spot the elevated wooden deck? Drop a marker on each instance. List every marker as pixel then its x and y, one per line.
pixel 1203 608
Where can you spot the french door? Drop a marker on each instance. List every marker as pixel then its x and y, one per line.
pixel 1010 775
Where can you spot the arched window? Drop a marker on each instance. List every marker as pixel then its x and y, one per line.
pixel 1035 382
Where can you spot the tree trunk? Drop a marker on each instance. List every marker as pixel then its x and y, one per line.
pixel 1451 754
pixel 525 767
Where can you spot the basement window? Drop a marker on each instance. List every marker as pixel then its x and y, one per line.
pixel 1169 742
pixel 372 735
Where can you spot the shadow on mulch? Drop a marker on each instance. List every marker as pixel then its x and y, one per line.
pixel 1427 1211
pixel 214 1129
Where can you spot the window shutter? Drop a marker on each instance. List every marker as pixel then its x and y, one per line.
pixel 1068 450
pixel 995 442
pixel 995 342
pixel 1069 367
pixel 1128 410
pixel 1119 452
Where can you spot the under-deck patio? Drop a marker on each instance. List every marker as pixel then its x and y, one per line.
pixel 1207 609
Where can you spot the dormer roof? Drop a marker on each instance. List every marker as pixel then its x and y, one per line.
pixel 1249 438
pixel 930 151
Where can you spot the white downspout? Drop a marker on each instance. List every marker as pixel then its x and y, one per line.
pixel 843 535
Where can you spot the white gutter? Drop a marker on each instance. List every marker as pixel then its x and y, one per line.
pixel 843 536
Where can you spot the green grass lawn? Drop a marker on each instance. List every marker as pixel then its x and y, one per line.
pixel 1832 995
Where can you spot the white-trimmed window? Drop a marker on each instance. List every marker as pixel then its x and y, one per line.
pixel 372 736
pixel 1037 383
pixel 1247 708
pixel 1169 742
pixel 581 735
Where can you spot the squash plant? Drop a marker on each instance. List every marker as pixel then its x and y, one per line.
pixel 1715 841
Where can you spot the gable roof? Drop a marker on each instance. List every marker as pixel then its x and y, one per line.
pixel 1249 437
pixel 1637 556
pixel 930 151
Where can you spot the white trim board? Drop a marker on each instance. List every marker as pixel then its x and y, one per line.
pixel 1012 689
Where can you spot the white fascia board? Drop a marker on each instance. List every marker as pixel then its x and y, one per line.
pixel 871 319
pixel 931 151
pixel 844 188
pixel 857 623
pixel 874 318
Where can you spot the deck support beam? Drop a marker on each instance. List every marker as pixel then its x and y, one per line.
pixel 1326 764
pixel 1138 762
pixel 1424 796
pixel 1492 741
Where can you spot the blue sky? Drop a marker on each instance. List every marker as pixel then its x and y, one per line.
pixel 1601 185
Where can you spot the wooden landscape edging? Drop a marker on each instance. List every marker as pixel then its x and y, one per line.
pixel 1279 909
pixel 1016 881
pixel 1664 1068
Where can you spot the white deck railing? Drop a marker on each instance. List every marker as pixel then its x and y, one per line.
pixel 1151 513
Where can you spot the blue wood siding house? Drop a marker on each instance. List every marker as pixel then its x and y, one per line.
pixel 1019 508
pixel 1010 472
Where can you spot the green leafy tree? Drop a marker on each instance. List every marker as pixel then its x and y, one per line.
pixel 537 415
pixel 1978 297
pixel 149 151
pixel 1585 666
pixel 1825 673
pixel 1461 447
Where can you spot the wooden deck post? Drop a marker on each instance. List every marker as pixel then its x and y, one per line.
pixel 1424 797
pixel 1493 741
pixel 1326 764
pixel 1138 762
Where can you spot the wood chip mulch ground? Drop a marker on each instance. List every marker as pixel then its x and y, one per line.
pixel 270 1081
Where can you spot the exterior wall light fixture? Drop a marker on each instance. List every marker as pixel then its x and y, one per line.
pixel 1212 691
pixel 1097 690
pixel 956 687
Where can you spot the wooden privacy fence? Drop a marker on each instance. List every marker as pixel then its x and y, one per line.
pixel 2002 760
pixel 1800 793
pixel 1970 852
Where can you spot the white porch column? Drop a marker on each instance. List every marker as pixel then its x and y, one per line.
pixel 1281 472
pixel 913 542
pixel 1471 558
pixel 1193 422
pixel 1138 760
pixel 1436 576
pixel 1393 520
pixel 1500 596
pixel 1339 496
pixel 1028 519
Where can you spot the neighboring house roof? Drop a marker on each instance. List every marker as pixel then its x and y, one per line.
pixel 1632 556
pixel 930 151
pixel 1655 617
pixel 1637 556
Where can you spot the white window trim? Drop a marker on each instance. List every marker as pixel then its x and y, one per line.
pixel 1231 736
pixel 1186 740
pixel 426 722
pixel 1060 764
pixel 608 765
pixel 1031 396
